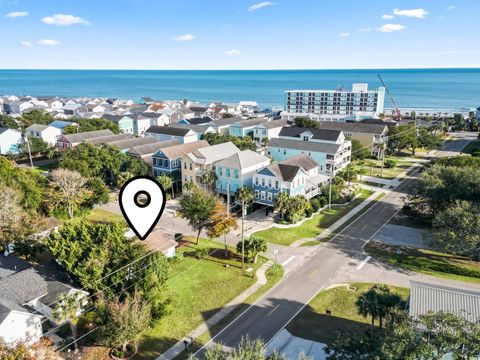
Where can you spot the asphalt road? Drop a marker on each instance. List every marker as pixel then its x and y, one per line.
pixel 279 306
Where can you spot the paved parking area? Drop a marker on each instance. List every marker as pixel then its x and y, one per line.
pixel 401 235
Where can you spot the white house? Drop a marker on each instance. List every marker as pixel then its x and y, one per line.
pixel 47 133
pixel 268 130
pixel 9 140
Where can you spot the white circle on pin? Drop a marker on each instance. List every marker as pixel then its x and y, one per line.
pixel 142 201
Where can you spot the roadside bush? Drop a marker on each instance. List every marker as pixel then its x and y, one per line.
pixel 390 163
pixel 308 211
pixel 315 203
pixel 476 153
pixel 200 253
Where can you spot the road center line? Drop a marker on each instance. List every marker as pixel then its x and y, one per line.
pixel 363 263
pixel 271 311
pixel 288 260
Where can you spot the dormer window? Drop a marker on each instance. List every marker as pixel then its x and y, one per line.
pixel 305 138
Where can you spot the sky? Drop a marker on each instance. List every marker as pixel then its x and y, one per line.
pixel 238 34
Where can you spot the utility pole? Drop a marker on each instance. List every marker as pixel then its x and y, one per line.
pixel 29 151
pixel 383 159
pixel 330 187
pixel 243 242
pixel 228 198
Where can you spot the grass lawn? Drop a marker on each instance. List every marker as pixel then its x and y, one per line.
pixel 198 289
pixel 274 275
pixel 341 228
pixel 426 261
pixel 100 215
pixel 311 228
pixel 401 165
pixel 312 323
pixel 473 145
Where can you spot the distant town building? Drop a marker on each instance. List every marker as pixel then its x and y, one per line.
pixel 334 104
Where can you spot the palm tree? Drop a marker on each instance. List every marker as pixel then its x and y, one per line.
pixel 245 195
pixel 189 186
pixel 367 305
pixel 254 245
pixel 208 178
pixel 69 308
pixel 282 203
pixel 123 177
pixel 361 170
pixel 166 182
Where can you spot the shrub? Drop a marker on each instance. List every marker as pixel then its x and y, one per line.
pixel 308 211
pixel 315 203
pixel 200 253
pixel 390 163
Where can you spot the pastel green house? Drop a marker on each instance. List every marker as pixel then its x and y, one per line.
pixel 245 127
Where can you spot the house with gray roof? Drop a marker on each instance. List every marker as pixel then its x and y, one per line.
pixel 72 140
pixel 244 128
pixel 47 133
pixel 237 171
pixel 161 133
pixel 268 129
pixel 328 148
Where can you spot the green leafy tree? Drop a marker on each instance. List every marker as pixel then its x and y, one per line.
pixel 359 151
pixel 197 207
pixel 253 246
pixel 9 122
pixel 69 308
pixel 35 117
pixel 98 192
pixel 306 122
pixel 11 215
pixel 135 166
pixel 402 137
pixel 282 203
pixel 123 177
pixel 208 178
pixel 296 208
pixel 221 223
pixel 428 140
pixel 93 124
pixel 166 182
pixel 459 122
pixel 456 229
pixel 245 195
pixel 377 303
pixel 89 252
pixel 349 174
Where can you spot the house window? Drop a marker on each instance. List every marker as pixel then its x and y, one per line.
pixel 269 196
pixel 191 168
pixel 263 182
pixel 262 195
pixel 185 165
pixel 305 138
pixel 264 132
pixel 227 171
pixel 269 183
pixel 235 173
pixel 276 184
pixel 284 152
pixel 256 181
pixel 186 179
pixel 220 172
pixel 257 193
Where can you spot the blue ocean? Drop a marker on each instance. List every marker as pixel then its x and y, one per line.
pixel 428 89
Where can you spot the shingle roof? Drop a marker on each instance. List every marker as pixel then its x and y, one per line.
pixel 243 159
pixel 304 145
pixel 79 137
pixel 318 134
pixel 37 127
pixel 250 122
pixel 227 121
pixel 353 127
pixel 284 172
pixel 199 129
pixel 178 151
pixel 425 297
pixel 108 139
pixel 23 286
pixel 213 153
pixel 274 124
pixel 199 121
pixel 167 130
pixel 149 149
pixel 302 160
pixel 6 306
pixel 130 143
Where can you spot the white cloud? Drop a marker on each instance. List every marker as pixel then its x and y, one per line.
pixel 365 29
pixel 390 28
pixel 344 34
pixel 260 5
pixel 233 52
pixel 16 14
pixel 415 13
pixel 48 42
pixel 451 7
pixel 185 37
pixel 64 20
pixel 387 16
pixel 26 44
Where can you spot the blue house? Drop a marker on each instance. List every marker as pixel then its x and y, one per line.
pixel 245 127
pixel 295 176
pixel 237 171
pixel 168 160
pixel 327 147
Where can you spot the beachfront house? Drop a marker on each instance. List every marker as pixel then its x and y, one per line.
pixel 161 133
pixel 197 163
pixel 244 128
pixel 328 148
pixel 10 140
pixel 47 133
pixel 237 171
pixel 168 160
pixel 295 176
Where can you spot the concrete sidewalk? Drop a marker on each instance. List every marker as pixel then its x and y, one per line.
pixel 179 347
pixel 327 232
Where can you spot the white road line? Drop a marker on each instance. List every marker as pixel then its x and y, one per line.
pixel 288 260
pixel 363 263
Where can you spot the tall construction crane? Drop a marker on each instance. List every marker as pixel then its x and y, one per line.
pixel 398 116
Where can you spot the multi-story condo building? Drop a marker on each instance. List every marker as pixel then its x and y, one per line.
pixel 336 103
pixel 328 148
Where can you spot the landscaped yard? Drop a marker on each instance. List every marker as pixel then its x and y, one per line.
pixel 312 323
pixel 426 261
pixel 198 289
pixel 473 145
pixel 311 228
pixel 100 215
pixel 401 165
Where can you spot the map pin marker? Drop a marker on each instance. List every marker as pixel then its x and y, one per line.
pixel 142 201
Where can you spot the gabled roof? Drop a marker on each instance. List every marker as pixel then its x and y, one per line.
pixel 109 138
pixel 178 151
pixel 425 297
pixel 302 160
pixel 304 145
pixel 243 159
pixel 129 143
pixel 149 149
pixel 199 129
pixel 115 118
pixel 79 137
pixel 227 121
pixel 61 124
pixel 273 124
pixel 250 122
pixel 284 172
pixel 356 127
pixel 37 127
pixel 213 153
pixel 200 121
pixel 318 134
pixel 23 286
pixel 168 130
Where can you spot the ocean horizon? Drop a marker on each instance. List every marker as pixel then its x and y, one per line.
pixel 448 89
